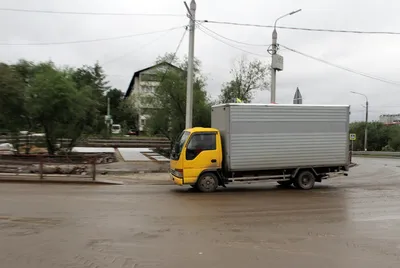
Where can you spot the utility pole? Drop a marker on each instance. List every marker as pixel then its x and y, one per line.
pixel 273 65
pixel 366 124
pixel 277 60
pixel 108 115
pixel 190 74
pixel 366 119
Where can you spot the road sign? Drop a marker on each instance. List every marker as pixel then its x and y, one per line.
pixel 352 136
pixel 298 99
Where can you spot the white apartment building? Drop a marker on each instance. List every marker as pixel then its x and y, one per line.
pixel 390 119
pixel 142 83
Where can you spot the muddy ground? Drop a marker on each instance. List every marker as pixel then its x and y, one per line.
pixel 345 222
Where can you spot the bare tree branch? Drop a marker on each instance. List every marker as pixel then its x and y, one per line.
pixel 248 77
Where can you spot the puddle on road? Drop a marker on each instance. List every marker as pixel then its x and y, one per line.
pixel 23 226
pixel 46 221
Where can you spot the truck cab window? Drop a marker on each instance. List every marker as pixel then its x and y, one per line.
pixel 199 143
pixel 176 150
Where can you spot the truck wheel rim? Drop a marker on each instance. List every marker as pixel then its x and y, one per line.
pixel 305 180
pixel 208 182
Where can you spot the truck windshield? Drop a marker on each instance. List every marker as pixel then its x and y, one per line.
pixel 177 149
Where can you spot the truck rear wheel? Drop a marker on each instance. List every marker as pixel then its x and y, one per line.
pixel 207 182
pixel 305 180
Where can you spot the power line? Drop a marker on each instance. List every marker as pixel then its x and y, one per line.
pixel 140 47
pixel 88 13
pixel 172 60
pixel 301 28
pixel 248 52
pixel 343 68
pixel 86 41
pixel 235 41
pixel 200 27
pixel 174 55
pixel 179 44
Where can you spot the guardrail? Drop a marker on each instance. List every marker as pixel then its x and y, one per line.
pixel 376 153
pixel 115 138
pixel 47 166
pixel 94 142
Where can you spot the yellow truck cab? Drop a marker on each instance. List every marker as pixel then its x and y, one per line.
pixel 196 158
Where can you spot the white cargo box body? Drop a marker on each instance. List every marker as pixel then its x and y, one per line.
pixel 279 136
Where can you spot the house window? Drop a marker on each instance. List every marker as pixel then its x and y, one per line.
pixel 142 122
pixel 148 89
pixel 149 77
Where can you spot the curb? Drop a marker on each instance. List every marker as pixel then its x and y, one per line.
pixel 59 181
pixel 111 172
pixel 151 182
pixel 377 156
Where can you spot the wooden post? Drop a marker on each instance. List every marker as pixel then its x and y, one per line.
pixel 94 168
pixel 41 167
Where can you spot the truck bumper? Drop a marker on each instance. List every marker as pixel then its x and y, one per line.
pixel 176 180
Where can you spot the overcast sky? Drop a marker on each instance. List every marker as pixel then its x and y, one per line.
pixel 376 55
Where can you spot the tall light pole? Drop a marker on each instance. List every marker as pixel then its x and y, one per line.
pixel 366 118
pixel 190 74
pixel 277 60
pixel 108 115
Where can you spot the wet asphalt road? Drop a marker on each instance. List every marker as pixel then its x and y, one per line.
pixel 349 221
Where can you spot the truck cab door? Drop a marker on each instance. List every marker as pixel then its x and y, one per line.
pixel 202 152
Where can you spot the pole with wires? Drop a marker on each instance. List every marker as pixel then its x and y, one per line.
pixel 366 119
pixel 366 126
pixel 277 60
pixel 190 72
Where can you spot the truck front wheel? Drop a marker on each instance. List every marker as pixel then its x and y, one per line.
pixel 207 182
pixel 305 180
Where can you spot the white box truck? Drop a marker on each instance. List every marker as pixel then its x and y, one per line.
pixel 292 144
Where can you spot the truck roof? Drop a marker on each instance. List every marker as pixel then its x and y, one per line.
pixel 272 104
pixel 202 129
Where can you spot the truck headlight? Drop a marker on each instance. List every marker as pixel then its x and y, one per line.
pixel 177 172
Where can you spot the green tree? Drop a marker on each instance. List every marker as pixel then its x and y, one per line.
pixel 61 107
pixel 93 76
pixel 380 136
pixel 62 102
pixel 120 110
pixel 247 77
pixel 394 137
pixel 12 100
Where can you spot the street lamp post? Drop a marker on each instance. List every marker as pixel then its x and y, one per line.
pixel 277 60
pixel 366 118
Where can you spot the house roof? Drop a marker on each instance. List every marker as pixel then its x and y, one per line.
pixel 137 73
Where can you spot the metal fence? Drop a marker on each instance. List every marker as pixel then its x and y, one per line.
pixel 48 166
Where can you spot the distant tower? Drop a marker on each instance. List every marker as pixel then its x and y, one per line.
pixel 297 99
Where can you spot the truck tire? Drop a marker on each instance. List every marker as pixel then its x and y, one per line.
pixel 305 180
pixel 207 182
pixel 285 183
